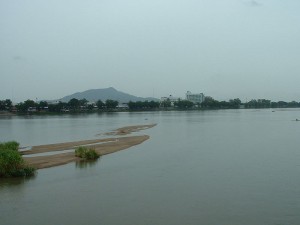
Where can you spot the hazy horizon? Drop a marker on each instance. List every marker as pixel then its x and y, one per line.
pixel 245 49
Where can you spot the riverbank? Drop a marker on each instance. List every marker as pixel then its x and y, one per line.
pixel 7 113
pixel 101 146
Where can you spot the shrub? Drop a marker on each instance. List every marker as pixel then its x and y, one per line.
pixel 80 151
pixel 12 145
pixel 91 154
pixel 86 153
pixel 29 171
pixel 11 162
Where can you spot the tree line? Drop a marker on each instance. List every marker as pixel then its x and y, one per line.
pixel 208 103
pixel 143 105
pixel 5 105
pixel 211 103
pixel 264 103
pixel 75 105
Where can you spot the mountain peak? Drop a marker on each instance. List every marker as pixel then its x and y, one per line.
pixel 104 94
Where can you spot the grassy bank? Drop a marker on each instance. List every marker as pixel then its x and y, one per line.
pixel 11 162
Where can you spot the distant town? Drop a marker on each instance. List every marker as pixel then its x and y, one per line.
pixel 192 101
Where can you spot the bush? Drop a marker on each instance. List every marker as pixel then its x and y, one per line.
pixel 91 154
pixel 80 151
pixel 12 145
pixel 86 153
pixel 11 162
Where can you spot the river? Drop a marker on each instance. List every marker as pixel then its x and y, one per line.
pixel 222 167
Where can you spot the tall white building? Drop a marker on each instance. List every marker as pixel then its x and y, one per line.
pixel 195 98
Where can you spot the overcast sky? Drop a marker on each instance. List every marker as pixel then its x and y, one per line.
pixel 223 48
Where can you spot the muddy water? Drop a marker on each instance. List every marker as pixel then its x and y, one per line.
pixel 227 167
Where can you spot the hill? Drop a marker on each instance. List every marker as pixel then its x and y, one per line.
pixel 104 94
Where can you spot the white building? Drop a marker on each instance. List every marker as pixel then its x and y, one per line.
pixel 195 98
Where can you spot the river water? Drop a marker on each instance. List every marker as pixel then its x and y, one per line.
pixel 223 167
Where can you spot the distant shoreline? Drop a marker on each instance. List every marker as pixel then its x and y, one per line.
pixel 3 114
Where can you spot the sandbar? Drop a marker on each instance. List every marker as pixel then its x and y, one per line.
pixel 101 146
pixel 130 129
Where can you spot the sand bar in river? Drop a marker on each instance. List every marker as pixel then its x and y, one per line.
pixel 101 146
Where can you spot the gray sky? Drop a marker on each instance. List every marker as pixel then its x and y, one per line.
pixel 223 48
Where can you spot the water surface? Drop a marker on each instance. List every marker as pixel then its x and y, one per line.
pixel 225 167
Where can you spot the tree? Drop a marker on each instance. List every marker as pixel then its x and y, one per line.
pixel 59 107
pixel 74 103
pixel 209 102
pixel 111 104
pixel 259 103
pixel 293 104
pixel 224 105
pixel 30 103
pixel 234 103
pixel 166 103
pixel 131 105
pixel 90 106
pixel 153 104
pixel 2 105
pixel 42 105
pixel 8 104
pixel 143 105
pixel 100 104
pixel 282 104
pixel 251 104
pixel 24 106
pixel 83 102
pixel 11 162
pixel 183 104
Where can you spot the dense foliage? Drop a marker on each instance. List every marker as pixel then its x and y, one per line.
pixel 11 162
pixel 166 103
pixel 111 104
pixel 139 105
pixel 211 103
pixel 82 105
pixel 86 153
pixel 264 103
pixel 183 104
pixel 5 105
pixel 74 105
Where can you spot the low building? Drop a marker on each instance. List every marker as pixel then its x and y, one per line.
pixel 122 106
pixel 170 98
pixel 196 98
pixel 32 109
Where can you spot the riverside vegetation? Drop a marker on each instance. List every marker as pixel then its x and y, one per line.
pixel 86 153
pixel 11 162
pixel 83 105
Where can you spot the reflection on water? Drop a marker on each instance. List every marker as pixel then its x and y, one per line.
pixel 15 181
pixel 83 164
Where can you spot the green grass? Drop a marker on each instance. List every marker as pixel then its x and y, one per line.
pixel 12 145
pixel 11 162
pixel 86 153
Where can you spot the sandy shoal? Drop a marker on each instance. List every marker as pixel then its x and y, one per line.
pixel 65 146
pixel 130 129
pixel 118 144
pixel 101 146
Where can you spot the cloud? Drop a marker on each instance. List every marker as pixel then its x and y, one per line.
pixel 17 58
pixel 253 3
